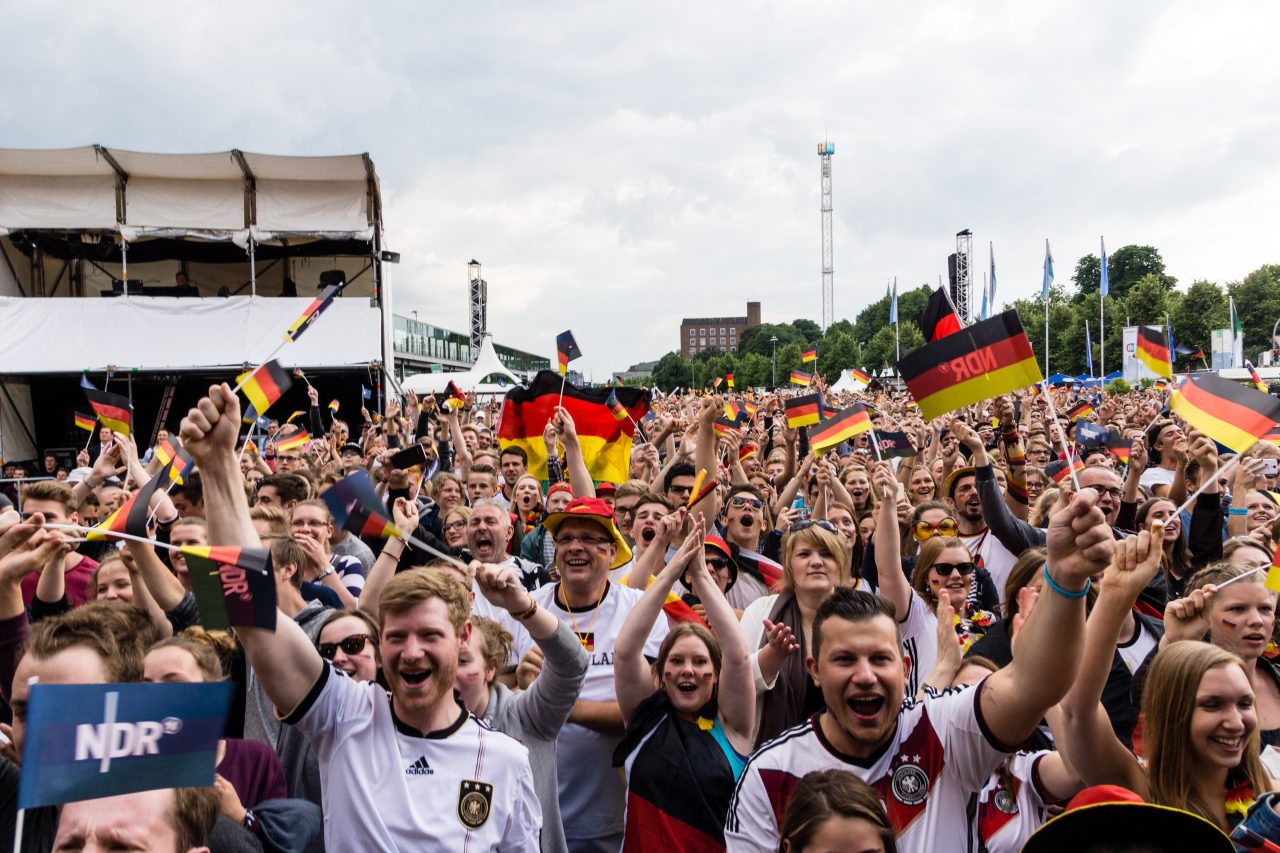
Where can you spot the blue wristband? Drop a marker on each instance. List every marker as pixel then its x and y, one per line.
pixel 1237 511
pixel 1066 593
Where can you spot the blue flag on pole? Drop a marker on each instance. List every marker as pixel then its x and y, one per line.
pixel 365 393
pixel 991 289
pixel 86 741
pixel 1048 272
pixel 1088 347
pixel 893 306
pixel 1105 287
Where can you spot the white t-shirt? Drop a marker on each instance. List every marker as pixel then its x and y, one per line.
pixel 592 790
pixel 939 753
pixel 1156 476
pixel 996 559
pixel 388 787
pixel 919 641
pixel 1006 817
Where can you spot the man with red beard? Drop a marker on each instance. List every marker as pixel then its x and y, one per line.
pixel 411 767
pixel 923 758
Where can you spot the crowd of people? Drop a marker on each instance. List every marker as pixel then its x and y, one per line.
pixel 1044 625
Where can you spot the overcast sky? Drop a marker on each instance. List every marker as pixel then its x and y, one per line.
pixel 618 166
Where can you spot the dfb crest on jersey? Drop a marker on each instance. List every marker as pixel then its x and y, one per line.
pixel 910 785
pixel 475 800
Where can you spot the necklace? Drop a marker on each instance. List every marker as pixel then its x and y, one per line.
pixel 588 644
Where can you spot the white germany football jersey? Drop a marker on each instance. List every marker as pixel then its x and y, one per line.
pixel 388 787
pixel 939 755
pixel 1008 811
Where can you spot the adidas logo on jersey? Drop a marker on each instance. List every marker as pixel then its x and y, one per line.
pixel 419 768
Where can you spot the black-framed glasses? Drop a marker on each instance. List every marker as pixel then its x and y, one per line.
pixel 587 541
pixel 352 645
pixel 944 569
pixel 454 525
pixel 1116 494
pixel 628 511
pixel 739 501
pixel 813 522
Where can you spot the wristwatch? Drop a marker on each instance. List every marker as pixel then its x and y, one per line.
pixel 324 574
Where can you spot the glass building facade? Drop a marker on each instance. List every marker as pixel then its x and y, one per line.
pixel 422 342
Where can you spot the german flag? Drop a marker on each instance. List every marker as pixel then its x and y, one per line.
pixel 811 354
pixel 1228 413
pixel 363 523
pixel 1119 447
pixel 313 312
pixel 799 378
pixel 113 410
pixel 453 392
pixel 938 319
pixel 859 376
pixel 1257 380
pixel 131 517
pixel 842 427
pixel 985 360
pixel 724 426
pixel 264 385
pixel 86 422
pixel 616 408
pixel 1273 573
pixel 178 460
pixel 751 409
pixel 293 441
pixel 716 384
pixel 1153 350
pixel 566 350
pixel 355 495
pixel 1059 470
pixel 803 411
pixel 294 416
pixel 1160 385
pixel 1273 435
pixel 233 587
pixel 605 440
pixel 334 405
pixel 729 378
pixel 733 411
pixel 1082 409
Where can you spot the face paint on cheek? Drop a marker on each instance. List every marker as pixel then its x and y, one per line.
pixel 708 676
pixel 1228 624
pixel 602 551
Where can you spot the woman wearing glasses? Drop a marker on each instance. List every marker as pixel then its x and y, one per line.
pixel 349 640
pixel 779 628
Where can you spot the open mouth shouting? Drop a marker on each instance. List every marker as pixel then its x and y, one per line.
pixel 483 545
pixel 414 677
pixel 865 708
pixel 687 687
pixel 648 534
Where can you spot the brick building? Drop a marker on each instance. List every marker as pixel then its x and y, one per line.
pixel 721 333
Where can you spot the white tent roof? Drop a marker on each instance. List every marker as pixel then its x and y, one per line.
pixel 487 364
pixel 846 382
pixel 138 193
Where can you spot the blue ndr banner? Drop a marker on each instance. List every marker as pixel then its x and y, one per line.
pixel 85 741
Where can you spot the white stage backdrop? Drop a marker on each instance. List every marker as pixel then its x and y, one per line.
pixel 155 333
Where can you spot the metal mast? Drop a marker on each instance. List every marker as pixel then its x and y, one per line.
pixel 962 289
pixel 479 305
pixel 826 150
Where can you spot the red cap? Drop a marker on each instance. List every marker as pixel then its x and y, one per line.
pixel 597 511
pixel 557 488
pixel 605 488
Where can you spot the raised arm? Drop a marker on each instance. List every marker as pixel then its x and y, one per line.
pixel 1044 664
pixel 736 693
pixel 574 463
pixel 893 583
pixel 405 515
pixel 461 453
pixel 633 679
pixel 285 661
pixel 705 455
pixel 1088 741
pixel 165 589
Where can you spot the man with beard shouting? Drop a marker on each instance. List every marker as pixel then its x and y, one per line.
pixel 408 768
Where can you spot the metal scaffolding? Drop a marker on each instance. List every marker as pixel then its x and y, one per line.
pixel 479 304
pixel 826 150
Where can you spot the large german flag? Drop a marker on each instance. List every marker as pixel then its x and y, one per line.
pixel 1228 413
pixel 984 360
pixel 842 427
pixel 113 410
pixel 803 411
pixel 605 441
pixel 1153 350
pixel 264 385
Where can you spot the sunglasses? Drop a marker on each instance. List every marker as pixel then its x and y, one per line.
pixel 813 522
pixel 720 564
pixel 945 569
pixel 738 502
pixel 352 645
pixel 924 530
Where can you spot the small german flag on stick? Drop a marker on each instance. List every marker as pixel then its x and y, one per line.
pixel 86 421
pixel 984 360
pixel 1153 350
pixel 1119 447
pixel 800 378
pixel 1058 470
pixel 809 355
pixel 114 410
pixel 313 312
pixel 844 426
pixel 131 517
pixel 803 411
pixel 264 385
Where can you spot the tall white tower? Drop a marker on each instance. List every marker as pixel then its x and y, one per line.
pixel 826 150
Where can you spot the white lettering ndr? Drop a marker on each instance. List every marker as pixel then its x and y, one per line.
pixel 110 739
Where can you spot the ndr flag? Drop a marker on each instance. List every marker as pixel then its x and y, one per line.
pixel 605 440
pixel 85 741
pixel 233 586
pixel 984 360
pixel 313 311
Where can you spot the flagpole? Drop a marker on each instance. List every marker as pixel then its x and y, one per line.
pixel 1102 336
pixel 1062 435
pixel 247 437
pixel 1046 340
pixel 1207 483
pixel 897 343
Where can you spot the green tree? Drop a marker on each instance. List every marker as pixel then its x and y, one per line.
pixel 1202 309
pixel 836 351
pixel 1129 264
pixel 811 330
pixel 756 338
pixel 1148 301
pixel 1258 304
pixel 671 371
pixel 1088 275
pixel 753 371
pixel 876 315
pixel 880 352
